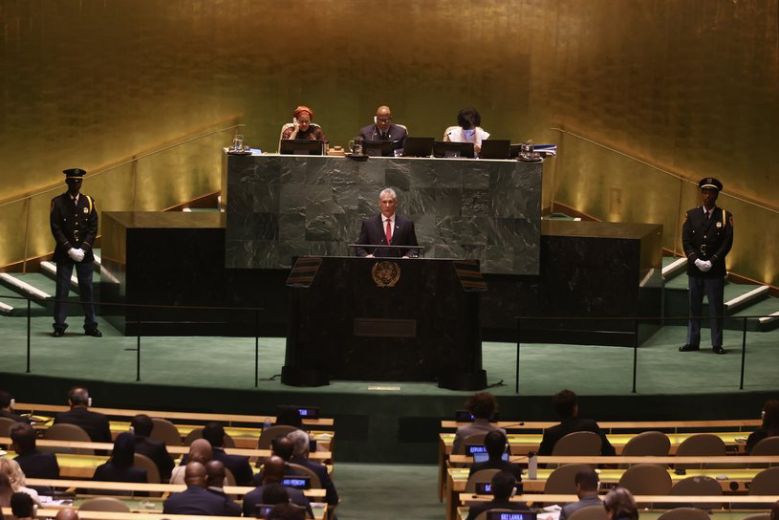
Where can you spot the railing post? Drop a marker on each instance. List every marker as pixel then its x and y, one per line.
pixel 29 332
pixel 138 347
pixel 635 364
pixel 743 352
pixel 256 348
pixel 516 374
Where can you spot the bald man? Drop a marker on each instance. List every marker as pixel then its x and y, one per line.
pixel 196 499
pixel 215 479
pixel 94 423
pixel 273 471
pixel 383 129
pixel 67 514
pixel 199 451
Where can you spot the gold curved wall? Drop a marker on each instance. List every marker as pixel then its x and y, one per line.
pixel 686 85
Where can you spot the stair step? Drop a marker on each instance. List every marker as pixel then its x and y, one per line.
pixel 673 266
pixel 11 304
pixel 771 318
pixel 30 285
pixel 754 295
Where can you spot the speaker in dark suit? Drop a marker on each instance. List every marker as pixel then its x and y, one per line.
pixel 707 236
pixel 387 228
pixel 95 424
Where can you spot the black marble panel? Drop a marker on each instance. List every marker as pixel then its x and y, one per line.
pixel 460 207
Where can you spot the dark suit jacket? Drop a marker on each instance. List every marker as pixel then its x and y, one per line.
pixel 35 464
pixel 196 501
pixel 395 133
pixel 331 495
pixel 231 507
pixel 108 472
pixel 576 424
pixel 95 424
pixel 158 453
pixel 237 464
pixel 707 239
pixel 13 416
pixel 500 464
pixel 254 497
pixel 475 509
pixel 372 232
pixel 73 225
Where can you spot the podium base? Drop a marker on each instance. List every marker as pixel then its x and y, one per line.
pixel 295 376
pixel 463 380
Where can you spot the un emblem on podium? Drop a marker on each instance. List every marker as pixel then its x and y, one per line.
pixel 385 274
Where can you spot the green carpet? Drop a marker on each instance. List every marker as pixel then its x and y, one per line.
pixel 222 362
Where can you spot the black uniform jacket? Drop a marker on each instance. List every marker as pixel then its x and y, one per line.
pixel 707 239
pixel 73 224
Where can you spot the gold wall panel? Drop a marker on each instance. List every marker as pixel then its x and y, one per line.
pixel 690 86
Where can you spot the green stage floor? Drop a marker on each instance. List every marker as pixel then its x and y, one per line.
pixel 228 363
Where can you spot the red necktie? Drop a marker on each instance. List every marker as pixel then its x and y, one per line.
pixel 388 231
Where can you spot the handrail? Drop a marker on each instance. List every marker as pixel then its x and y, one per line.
pixel 122 162
pixel 741 198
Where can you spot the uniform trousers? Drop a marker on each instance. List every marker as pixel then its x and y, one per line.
pixel 84 272
pixel 714 289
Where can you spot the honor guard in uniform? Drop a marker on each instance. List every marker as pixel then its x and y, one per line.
pixel 707 236
pixel 74 226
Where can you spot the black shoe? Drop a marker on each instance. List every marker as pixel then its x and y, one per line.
pixel 93 332
pixel 58 333
pixel 719 350
pixel 689 348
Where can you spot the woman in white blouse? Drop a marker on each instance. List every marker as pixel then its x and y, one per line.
pixel 468 129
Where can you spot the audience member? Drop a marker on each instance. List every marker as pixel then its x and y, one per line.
pixel 495 442
pixel 215 479
pixel 142 426
pixel 95 424
pixel 67 514
pixel 586 489
pixel 199 451
pixel 274 493
pixel 7 409
pixel 286 512
pixel 482 406
pixel 620 505
pixel 567 408
pixel 288 415
pixel 196 499
pixel 282 447
pixel 300 453
pixel 119 467
pixel 16 479
pixel 237 464
pixel 34 463
pixel 302 128
pixel 770 426
pixel 273 472
pixel 22 506
pixel 503 485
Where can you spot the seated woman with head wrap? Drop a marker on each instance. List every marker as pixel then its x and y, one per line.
pixel 302 128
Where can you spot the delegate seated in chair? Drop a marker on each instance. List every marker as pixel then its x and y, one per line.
pixel 586 482
pixel 302 128
pixel 495 442
pixel 119 467
pixel 482 406
pixel 567 408
pixel 503 484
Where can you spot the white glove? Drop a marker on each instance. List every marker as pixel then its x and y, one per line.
pixel 706 266
pixel 73 254
pixel 700 264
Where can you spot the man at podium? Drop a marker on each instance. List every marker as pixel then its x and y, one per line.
pixel 387 228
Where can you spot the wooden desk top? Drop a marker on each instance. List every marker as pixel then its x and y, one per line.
pixel 610 426
pixel 186 416
pixel 727 460
pixel 642 499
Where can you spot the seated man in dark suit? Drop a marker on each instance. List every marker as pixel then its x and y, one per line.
pixel 142 426
pixel 586 489
pixel 283 448
pixel 503 484
pixel 7 409
pixel 495 442
pixel 95 424
pixel 119 467
pixel 273 472
pixel 383 129
pixel 215 479
pixel 238 465
pixel 196 499
pixel 34 463
pixel 387 228
pixel 286 512
pixel 567 408
pixel 300 442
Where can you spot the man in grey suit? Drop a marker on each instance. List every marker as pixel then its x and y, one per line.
pixel 586 489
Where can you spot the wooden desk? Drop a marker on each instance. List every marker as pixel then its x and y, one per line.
pixel 319 456
pixel 229 419
pixel 731 480
pixel 740 425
